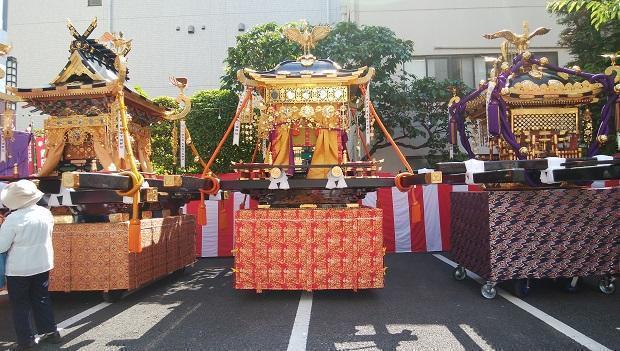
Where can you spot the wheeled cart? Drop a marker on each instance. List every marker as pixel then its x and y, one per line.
pixel 528 234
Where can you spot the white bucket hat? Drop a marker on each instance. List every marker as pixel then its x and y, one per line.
pixel 22 193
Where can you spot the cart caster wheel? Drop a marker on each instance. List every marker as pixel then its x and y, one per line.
pixel 459 273
pixel 488 291
pixel 571 284
pixel 113 295
pixel 606 286
pixel 522 287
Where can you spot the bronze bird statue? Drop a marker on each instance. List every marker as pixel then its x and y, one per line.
pixel 520 41
pixel 306 37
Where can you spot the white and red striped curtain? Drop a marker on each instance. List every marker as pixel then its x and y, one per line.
pixel 403 230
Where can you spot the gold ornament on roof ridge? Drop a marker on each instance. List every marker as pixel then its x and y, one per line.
pixel 521 42
pixel 612 56
pixel 119 45
pixel 307 38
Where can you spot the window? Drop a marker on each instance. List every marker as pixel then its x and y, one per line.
pixel 11 76
pixel 470 69
pixel 94 2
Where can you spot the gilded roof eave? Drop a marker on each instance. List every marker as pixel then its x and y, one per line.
pixel 253 78
pixel 527 93
pixel 82 91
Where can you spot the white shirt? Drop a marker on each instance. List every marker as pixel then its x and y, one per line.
pixel 27 236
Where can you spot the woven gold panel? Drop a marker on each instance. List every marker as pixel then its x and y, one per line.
pixel 556 118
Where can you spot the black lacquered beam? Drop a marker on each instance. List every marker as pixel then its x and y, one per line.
pixel 453 178
pixel 48 185
pixel 570 163
pixel 232 185
pixel 102 181
pixel 112 181
pixel 587 173
pixel 501 176
pixel 538 164
pixel 422 178
pixel 98 196
pixel 186 182
pixel 267 166
pixel 459 167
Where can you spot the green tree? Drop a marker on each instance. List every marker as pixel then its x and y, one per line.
pixel 600 11
pixel 212 112
pixel 424 105
pixel 585 42
pixel 161 134
pixel 262 48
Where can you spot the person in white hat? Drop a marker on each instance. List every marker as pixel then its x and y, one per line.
pixel 26 234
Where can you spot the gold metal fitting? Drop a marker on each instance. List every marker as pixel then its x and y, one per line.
pixel 70 180
pixel 275 172
pixel 172 180
pixel 544 61
pixel 118 217
pixel 602 139
pixel 436 177
pixel 336 171
pixel 576 68
pixel 527 55
pixel 505 91
pixel 523 150
pixel 505 66
pixel 152 195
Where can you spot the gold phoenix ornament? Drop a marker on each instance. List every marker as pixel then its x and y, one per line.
pixel 307 38
pixel 520 41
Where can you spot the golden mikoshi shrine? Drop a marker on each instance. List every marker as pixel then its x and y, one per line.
pixel 546 107
pixel 305 113
pixel 85 102
pixel 301 114
pixel 118 225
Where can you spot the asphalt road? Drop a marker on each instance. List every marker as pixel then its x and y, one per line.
pixel 421 308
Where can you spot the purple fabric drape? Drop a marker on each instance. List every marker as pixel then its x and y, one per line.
pixel 457 119
pixel 493 116
pixel 17 152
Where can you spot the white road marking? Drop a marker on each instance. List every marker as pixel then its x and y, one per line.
pixel 547 319
pixel 299 334
pixel 476 337
pixel 78 317
pixel 365 330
